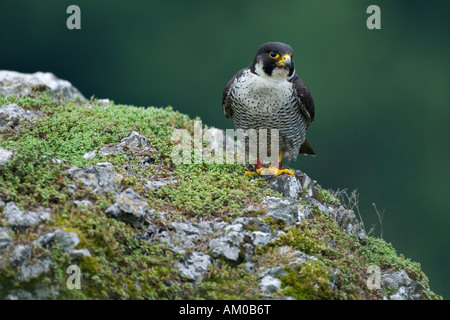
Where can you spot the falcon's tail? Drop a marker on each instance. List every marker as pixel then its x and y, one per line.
pixel 306 149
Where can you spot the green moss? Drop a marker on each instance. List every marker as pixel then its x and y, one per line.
pixel 70 128
pixel 120 266
pixel 381 253
pixel 326 197
pixel 309 281
pixel 301 241
pixel 227 283
pixel 32 177
pixel 251 227
pixel 60 262
pixel 207 191
pixel 32 102
pixel 123 267
pixel 256 213
pixel 84 242
pixel 344 259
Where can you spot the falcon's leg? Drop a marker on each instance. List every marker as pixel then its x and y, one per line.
pixel 278 164
pixel 259 165
pixel 275 170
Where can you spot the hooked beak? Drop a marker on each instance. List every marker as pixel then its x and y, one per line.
pixel 285 61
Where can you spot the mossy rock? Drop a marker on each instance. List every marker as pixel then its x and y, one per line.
pixel 121 265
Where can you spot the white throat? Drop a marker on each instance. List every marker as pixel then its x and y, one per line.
pixel 278 74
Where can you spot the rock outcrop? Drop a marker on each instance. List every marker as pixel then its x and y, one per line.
pixel 264 240
pixel 12 82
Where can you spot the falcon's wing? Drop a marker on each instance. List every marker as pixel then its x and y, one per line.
pixel 227 108
pixel 305 100
pixel 306 105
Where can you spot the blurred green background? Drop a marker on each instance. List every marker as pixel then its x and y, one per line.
pixel 382 96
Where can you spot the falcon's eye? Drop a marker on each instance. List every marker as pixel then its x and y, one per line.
pixel 274 55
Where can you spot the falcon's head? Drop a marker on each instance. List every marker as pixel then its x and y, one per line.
pixel 274 60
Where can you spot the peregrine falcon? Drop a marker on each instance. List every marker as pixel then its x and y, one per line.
pixel 270 95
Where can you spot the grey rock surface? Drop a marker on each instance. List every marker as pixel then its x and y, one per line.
pixel 405 288
pixel 100 178
pixel 19 295
pixel 156 184
pixel 260 239
pixel 5 239
pixel 12 82
pixel 270 285
pixel 305 213
pixel 279 209
pixel 302 187
pixel 285 184
pixel 20 254
pixel 227 246
pixel 39 292
pixel 23 219
pixel 5 155
pixel 129 207
pixel 134 142
pixel 183 236
pixel 34 270
pixel 195 266
pixel 79 253
pixel 82 204
pixel 66 240
pixel 90 155
pixel 293 187
pixel 105 151
pixel 13 117
pixel 273 272
pixel 347 220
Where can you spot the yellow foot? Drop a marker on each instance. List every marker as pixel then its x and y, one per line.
pixel 249 173
pixel 273 171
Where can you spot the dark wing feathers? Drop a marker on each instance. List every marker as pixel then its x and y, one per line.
pixel 306 103
pixel 306 149
pixel 227 109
